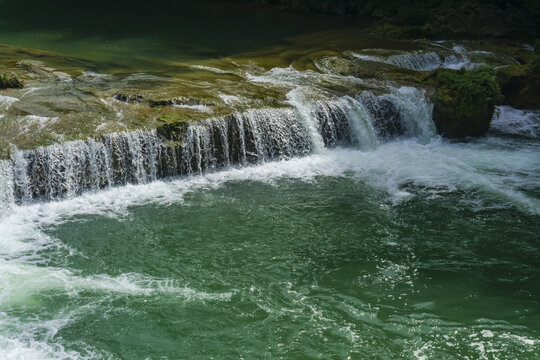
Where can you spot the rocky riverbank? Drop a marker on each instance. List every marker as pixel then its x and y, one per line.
pixel 66 99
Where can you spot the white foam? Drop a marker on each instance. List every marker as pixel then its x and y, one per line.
pixel 35 338
pixel 21 281
pixel 518 122
pixel 91 76
pixel 30 349
pixel 231 100
pixel 18 339
pixel 201 108
pixel 6 102
pixel 522 339
pixel 291 78
pixel 368 57
pixel 41 121
pixel 211 69
pixel 487 333
pixel 457 62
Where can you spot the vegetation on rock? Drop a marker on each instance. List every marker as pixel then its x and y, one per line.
pixel 10 81
pixel 520 84
pixel 464 101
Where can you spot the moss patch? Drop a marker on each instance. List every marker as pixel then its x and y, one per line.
pixel 464 102
pixel 10 81
pixel 520 84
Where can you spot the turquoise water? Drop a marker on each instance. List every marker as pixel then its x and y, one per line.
pixel 406 251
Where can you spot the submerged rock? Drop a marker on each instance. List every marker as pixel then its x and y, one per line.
pixel 464 101
pixel 127 98
pixel 181 101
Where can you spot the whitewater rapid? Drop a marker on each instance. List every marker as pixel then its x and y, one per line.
pixel 501 166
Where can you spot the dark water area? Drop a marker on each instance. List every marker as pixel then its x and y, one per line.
pixel 204 29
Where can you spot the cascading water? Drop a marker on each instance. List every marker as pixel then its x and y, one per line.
pixel 256 136
pixel 70 168
pixel 362 123
pixel 414 112
pixel 427 61
pixel 416 61
pixel 297 99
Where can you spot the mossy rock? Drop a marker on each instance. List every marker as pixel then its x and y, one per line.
pixel 520 85
pixel 349 66
pixel 173 131
pixel 10 81
pixel 464 101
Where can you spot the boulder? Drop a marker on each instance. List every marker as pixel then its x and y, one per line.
pixel 520 84
pixel 464 101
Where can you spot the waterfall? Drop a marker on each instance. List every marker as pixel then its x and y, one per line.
pixel 306 111
pixel 252 137
pixel 255 136
pixel 346 122
pixel 427 61
pixel 416 61
pixel 414 112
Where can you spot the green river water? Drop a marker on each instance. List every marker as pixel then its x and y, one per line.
pixel 408 251
pixel 411 249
